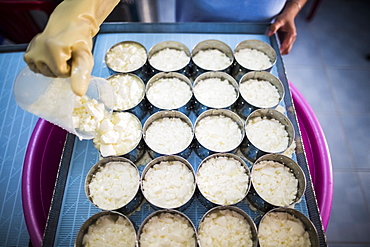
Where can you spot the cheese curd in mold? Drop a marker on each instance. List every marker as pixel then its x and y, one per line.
pixel 282 229
pixel 274 182
pixel 223 180
pixel 126 57
pixel 168 135
pixel 268 135
pixel 109 232
pixel 128 91
pixel 167 229
pixel 224 228
pixel 218 133
pixel 168 184
pixel 215 92
pixel 118 134
pixel 169 93
pixel 253 59
pixel 114 185
pixel 260 93
pixel 212 59
pixel 169 59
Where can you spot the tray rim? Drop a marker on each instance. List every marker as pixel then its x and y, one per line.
pixel 201 28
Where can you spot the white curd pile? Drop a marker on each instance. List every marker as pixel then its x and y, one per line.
pixel 118 134
pixel 128 91
pixel 168 184
pixel 169 93
pixel 108 232
pixel 274 182
pixel 114 185
pixel 72 112
pixel 268 135
pixel 223 180
pixel 212 59
pixel 168 135
pixel 282 229
pixel 88 114
pixel 218 133
pixel 126 57
pixel 252 59
pixel 260 93
pixel 225 228
pixel 169 59
pixel 167 229
pixel 215 92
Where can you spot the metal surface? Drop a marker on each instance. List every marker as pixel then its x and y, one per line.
pixel 243 106
pixel 263 204
pixel 200 107
pixel 167 158
pixel 185 108
pixel 247 218
pixel 68 208
pixel 239 69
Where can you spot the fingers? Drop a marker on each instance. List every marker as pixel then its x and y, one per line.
pixel 82 64
pixel 286 32
pixel 287 40
pixel 274 27
pixel 47 59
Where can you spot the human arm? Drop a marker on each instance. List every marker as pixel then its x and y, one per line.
pixel 284 25
pixel 63 49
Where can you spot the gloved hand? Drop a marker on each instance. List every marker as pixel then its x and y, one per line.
pixel 63 49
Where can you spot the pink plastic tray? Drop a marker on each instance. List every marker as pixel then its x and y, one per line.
pixel 46 146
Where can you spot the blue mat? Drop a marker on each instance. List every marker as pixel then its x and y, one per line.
pixel 16 127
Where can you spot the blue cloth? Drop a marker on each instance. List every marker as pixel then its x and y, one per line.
pixel 227 11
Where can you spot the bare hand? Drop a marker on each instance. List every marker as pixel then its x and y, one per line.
pixel 286 30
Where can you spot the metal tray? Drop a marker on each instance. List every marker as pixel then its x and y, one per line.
pixel 70 207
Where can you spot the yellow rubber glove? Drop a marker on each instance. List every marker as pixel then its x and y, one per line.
pixel 63 49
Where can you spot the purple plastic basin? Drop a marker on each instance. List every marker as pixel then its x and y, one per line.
pixel 46 146
pixel 40 169
pixel 317 153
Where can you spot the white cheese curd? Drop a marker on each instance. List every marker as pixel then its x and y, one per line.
pixel 126 57
pixel 114 185
pixel 169 93
pixel 253 59
pixel 167 229
pixel 169 59
pixel 275 182
pixel 118 134
pixel 223 180
pixel 212 59
pixel 218 133
pixel 88 114
pixel 290 150
pixel 282 229
pixel 268 135
pixel 108 232
pixel 225 228
pixel 168 135
pixel 82 113
pixel 168 184
pixel 128 91
pixel 215 92
pixel 260 93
